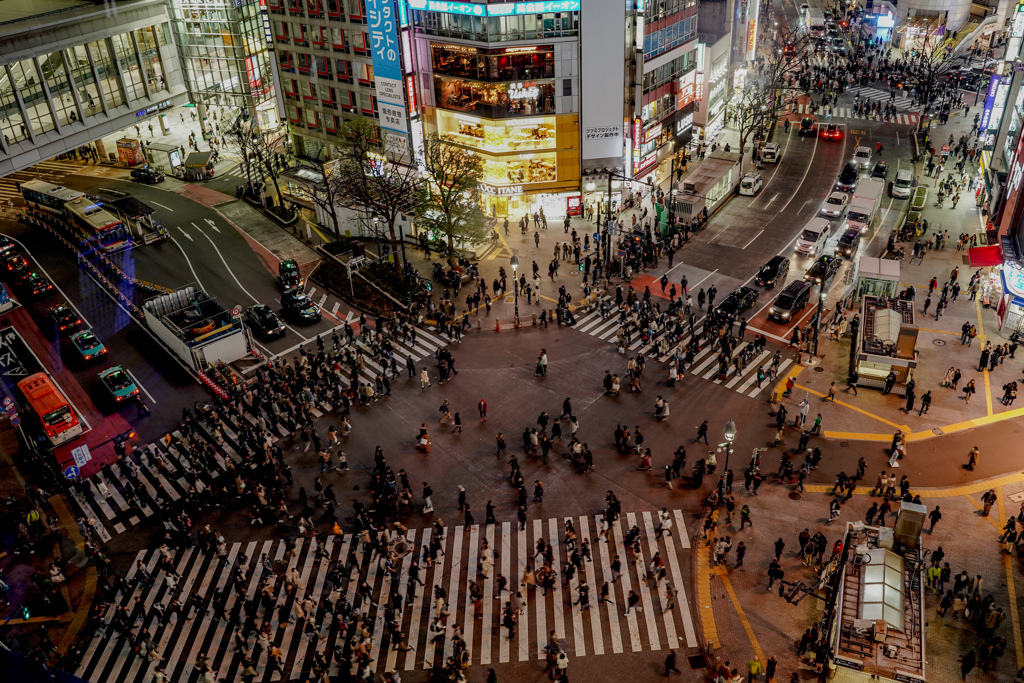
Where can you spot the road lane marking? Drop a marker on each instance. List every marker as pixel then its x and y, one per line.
pixel 753 238
pixel 163 207
pixel 139 385
pixel 334 309
pixel 180 229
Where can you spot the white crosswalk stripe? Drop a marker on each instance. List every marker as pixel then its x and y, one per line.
pixel 901 102
pixel 906 118
pixel 165 474
pixel 343 565
pixel 705 360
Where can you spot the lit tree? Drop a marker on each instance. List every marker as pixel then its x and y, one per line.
pixel 450 198
pixel 372 176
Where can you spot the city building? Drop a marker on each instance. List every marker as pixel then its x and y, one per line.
pixel 226 51
pixel 82 71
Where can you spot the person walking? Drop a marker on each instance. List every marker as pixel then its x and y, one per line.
pixel 933 518
pixel 702 432
pixel 670 663
pixel 972 458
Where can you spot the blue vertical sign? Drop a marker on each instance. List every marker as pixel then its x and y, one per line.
pixel 990 100
pixel 387 70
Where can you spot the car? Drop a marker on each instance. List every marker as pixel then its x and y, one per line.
pixel 15 264
pixel 790 301
pixel 822 269
pixel 750 184
pixel 835 205
pixel 880 171
pixel 6 244
pixel 837 45
pixel 806 127
pixel 903 185
pixel 147 174
pixel 118 383
pixel 848 242
pixel 804 9
pixel 847 181
pixel 88 345
pixel 832 132
pixel 264 321
pixel 64 317
pixel 289 276
pixel 789 50
pixel 813 237
pixel 38 284
pixel 737 302
pixel 862 157
pixel 771 153
pixel 773 272
pixel 298 306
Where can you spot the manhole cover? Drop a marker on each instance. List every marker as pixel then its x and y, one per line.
pixel 939 342
pixel 844 444
pixel 794 495
pixel 697 662
pixel 819 369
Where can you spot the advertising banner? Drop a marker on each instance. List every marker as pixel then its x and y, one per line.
pixel 603 65
pixel 387 69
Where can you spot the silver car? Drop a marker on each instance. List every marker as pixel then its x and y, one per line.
pixel 835 205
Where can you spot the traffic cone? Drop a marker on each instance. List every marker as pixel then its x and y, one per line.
pixel 497 326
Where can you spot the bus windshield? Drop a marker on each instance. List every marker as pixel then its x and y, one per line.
pixel 57 417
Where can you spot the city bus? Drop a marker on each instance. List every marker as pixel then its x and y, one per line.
pixel 100 227
pixel 55 412
pixel 47 196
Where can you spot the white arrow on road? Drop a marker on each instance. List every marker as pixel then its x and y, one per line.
pixel 185 233
pixel 212 224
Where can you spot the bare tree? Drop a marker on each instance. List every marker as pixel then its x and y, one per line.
pixel 926 68
pixel 268 152
pixel 372 177
pixel 770 87
pixel 450 198
pixel 324 193
pixel 244 134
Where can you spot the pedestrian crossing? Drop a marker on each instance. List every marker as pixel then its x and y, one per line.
pixel 704 364
pixel 341 576
pixel 906 118
pixel 901 102
pixel 50 171
pixel 151 480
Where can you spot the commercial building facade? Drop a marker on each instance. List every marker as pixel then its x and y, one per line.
pixel 82 72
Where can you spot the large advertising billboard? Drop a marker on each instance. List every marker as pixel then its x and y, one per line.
pixel 603 64
pixel 387 69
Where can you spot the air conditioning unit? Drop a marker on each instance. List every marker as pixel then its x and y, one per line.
pixel 862 626
pixel 881 630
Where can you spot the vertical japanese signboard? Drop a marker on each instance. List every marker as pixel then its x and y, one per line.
pixel 387 70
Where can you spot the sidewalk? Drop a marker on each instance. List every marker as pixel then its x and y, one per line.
pixel 742 618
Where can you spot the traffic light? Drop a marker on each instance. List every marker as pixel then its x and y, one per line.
pixel 124 436
pixel 25 613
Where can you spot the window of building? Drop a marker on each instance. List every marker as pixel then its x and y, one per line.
pixel 567 87
pixel 666 73
pixel 11 123
pixel 129 67
pixel 507 64
pixel 83 80
pixel 146 40
pixel 26 80
pixel 495 100
pixel 107 72
pixel 498 29
pixel 60 88
pixel 366 104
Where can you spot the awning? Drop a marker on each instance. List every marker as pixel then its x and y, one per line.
pixel 980 257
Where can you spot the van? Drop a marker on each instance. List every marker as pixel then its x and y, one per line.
pixel 813 237
pixel 848 242
pixel 772 153
pixel 861 214
pixel 790 301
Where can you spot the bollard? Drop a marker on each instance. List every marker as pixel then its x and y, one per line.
pixel 533 318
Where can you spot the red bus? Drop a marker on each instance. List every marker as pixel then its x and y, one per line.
pixel 55 412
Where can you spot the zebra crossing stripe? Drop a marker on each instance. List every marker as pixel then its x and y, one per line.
pixel 109 656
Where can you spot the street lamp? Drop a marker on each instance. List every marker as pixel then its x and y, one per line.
pixel 515 284
pixel 730 436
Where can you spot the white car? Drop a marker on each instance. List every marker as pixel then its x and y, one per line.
pixel 835 205
pixel 804 9
pixel 902 187
pixel 751 184
pixel 772 153
pixel 862 157
pixel 813 237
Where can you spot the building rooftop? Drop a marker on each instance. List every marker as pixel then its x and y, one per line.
pixel 19 10
pixel 880 607
pixel 22 16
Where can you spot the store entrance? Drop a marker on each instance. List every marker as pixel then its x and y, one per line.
pixel 497 206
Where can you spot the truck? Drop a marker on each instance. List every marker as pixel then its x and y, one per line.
pixel 863 210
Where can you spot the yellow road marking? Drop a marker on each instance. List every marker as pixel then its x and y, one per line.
pixel 925 329
pixel 855 408
pixel 707 612
pixel 743 617
pixel 981 338
pixel 780 388
pixel 946 492
pixel 1011 588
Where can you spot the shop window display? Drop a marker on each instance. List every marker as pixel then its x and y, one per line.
pixel 510 64
pixel 536 170
pixel 497 100
pixel 517 136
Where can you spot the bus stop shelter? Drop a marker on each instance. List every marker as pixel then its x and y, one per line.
pixel 137 214
pixel 163 157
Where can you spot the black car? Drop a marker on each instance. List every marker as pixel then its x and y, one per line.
pixel 737 302
pixel 298 306
pixel 773 272
pixel 880 171
pixel 37 284
pixel 264 321
pixel 847 181
pixel 6 244
pixel 807 127
pixel 64 317
pixel 147 174
pixel 824 268
pixel 15 264
pixel 288 274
